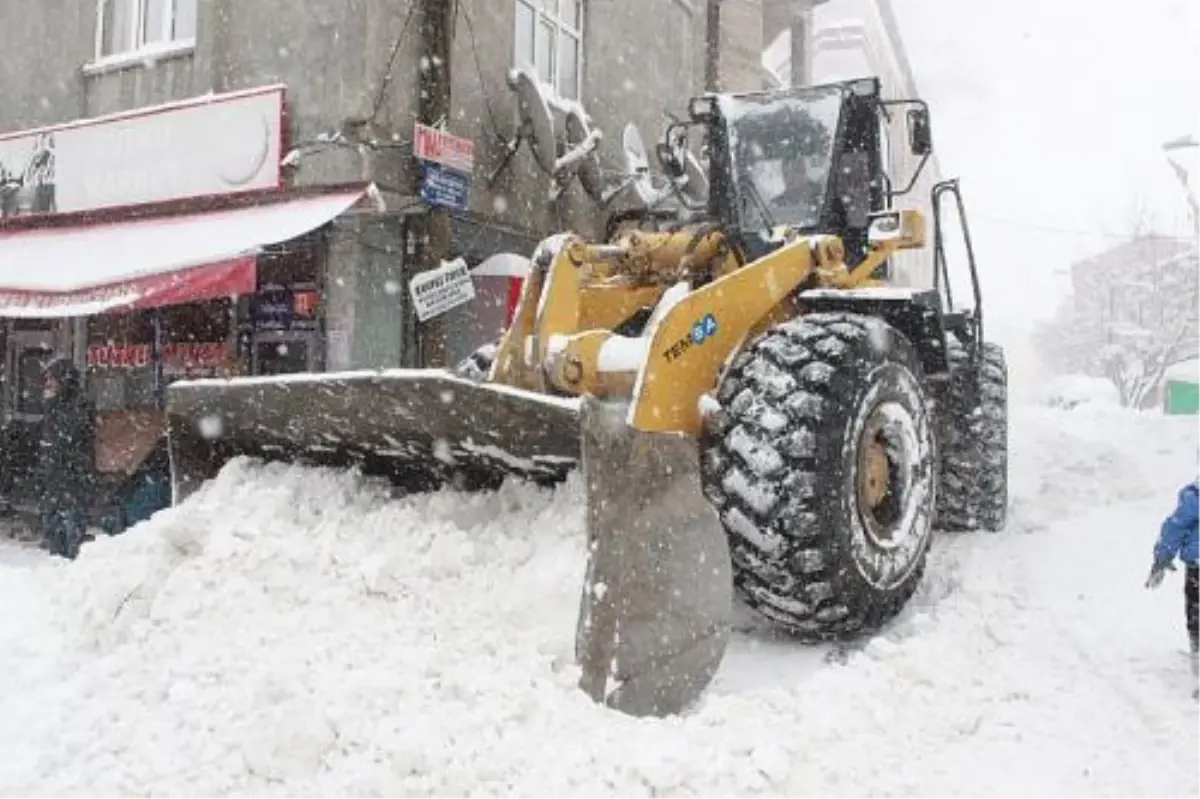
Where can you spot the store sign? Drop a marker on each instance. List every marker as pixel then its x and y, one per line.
pixel 439 290
pixel 176 357
pixel 440 147
pixel 444 187
pixel 286 308
pixel 219 144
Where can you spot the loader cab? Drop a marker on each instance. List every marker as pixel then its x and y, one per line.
pixel 809 158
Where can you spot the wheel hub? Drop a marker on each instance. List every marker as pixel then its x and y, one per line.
pixel 883 482
pixel 874 474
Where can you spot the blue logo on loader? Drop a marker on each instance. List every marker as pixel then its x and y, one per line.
pixel 702 331
pixel 705 329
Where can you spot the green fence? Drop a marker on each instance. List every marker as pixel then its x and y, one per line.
pixel 1181 397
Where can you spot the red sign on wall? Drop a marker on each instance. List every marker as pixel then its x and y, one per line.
pixel 175 356
pixel 431 144
pixel 304 303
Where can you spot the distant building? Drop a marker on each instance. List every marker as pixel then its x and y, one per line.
pixel 1146 282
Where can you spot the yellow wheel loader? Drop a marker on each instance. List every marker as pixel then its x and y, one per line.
pixel 755 407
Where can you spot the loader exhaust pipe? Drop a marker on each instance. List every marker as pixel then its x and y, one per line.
pixel 657 600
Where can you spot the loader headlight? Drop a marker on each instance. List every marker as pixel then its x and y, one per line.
pixel 702 109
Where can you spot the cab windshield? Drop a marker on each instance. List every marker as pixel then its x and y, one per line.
pixel 781 150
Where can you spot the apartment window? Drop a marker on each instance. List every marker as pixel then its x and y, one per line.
pixel 127 26
pixel 549 38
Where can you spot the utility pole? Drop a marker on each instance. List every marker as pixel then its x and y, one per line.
pixel 712 46
pixel 433 109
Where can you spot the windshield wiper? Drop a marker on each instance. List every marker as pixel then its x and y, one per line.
pixel 763 209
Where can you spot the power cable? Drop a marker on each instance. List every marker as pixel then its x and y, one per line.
pixel 487 101
pixel 386 82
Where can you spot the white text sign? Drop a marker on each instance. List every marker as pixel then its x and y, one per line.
pixel 438 290
pixel 219 144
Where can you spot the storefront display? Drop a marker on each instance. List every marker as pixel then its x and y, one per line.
pixel 189 259
pixel 281 328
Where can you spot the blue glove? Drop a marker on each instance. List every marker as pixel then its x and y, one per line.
pixel 1156 572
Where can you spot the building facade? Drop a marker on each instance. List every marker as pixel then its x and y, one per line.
pixel 336 60
pixel 787 26
pixel 192 116
pixel 1145 284
pixel 1130 317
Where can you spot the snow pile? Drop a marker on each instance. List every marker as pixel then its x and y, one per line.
pixel 1184 371
pixel 1070 391
pixel 285 619
pixel 1091 457
pixel 291 631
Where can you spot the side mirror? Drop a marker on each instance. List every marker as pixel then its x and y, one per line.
pixel 671 153
pixel 668 159
pixel 703 108
pixel 920 140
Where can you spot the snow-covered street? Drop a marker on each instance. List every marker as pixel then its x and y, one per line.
pixel 295 632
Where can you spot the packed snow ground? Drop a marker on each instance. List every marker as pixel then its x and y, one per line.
pixel 296 632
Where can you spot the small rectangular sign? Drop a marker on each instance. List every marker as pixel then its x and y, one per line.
pixel 439 290
pixel 431 144
pixel 445 187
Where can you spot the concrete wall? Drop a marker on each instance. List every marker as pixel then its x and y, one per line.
pixel 740 46
pixel 640 59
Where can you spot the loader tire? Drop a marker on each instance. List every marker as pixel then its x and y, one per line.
pixel 815 549
pixel 973 421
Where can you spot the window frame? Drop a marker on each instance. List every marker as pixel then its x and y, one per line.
pixel 561 28
pixel 141 49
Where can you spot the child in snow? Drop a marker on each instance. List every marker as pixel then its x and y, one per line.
pixel 1178 538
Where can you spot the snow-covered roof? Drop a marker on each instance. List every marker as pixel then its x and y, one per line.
pixel 1184 370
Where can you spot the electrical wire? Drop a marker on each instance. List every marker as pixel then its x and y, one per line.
pixel 487 104
pixel 386 82
pixel 487 101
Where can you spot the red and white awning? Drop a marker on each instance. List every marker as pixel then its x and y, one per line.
pixel 515 268
pixel 504 264
pixel 148 263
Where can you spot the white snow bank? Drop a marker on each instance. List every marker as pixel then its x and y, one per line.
pixel 295 625
pixel 1188 371
pixel 1070 391
pixel 296 632
pixel 1094 456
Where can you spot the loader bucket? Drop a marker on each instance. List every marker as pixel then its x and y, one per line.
pixel 418 428
pixel 656 609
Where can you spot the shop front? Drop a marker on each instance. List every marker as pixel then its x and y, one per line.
pixel 151 247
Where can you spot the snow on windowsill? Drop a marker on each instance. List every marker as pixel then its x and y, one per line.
pixel 147 56
pixel 554 100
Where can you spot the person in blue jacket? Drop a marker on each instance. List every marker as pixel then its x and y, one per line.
pixel 1178 539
